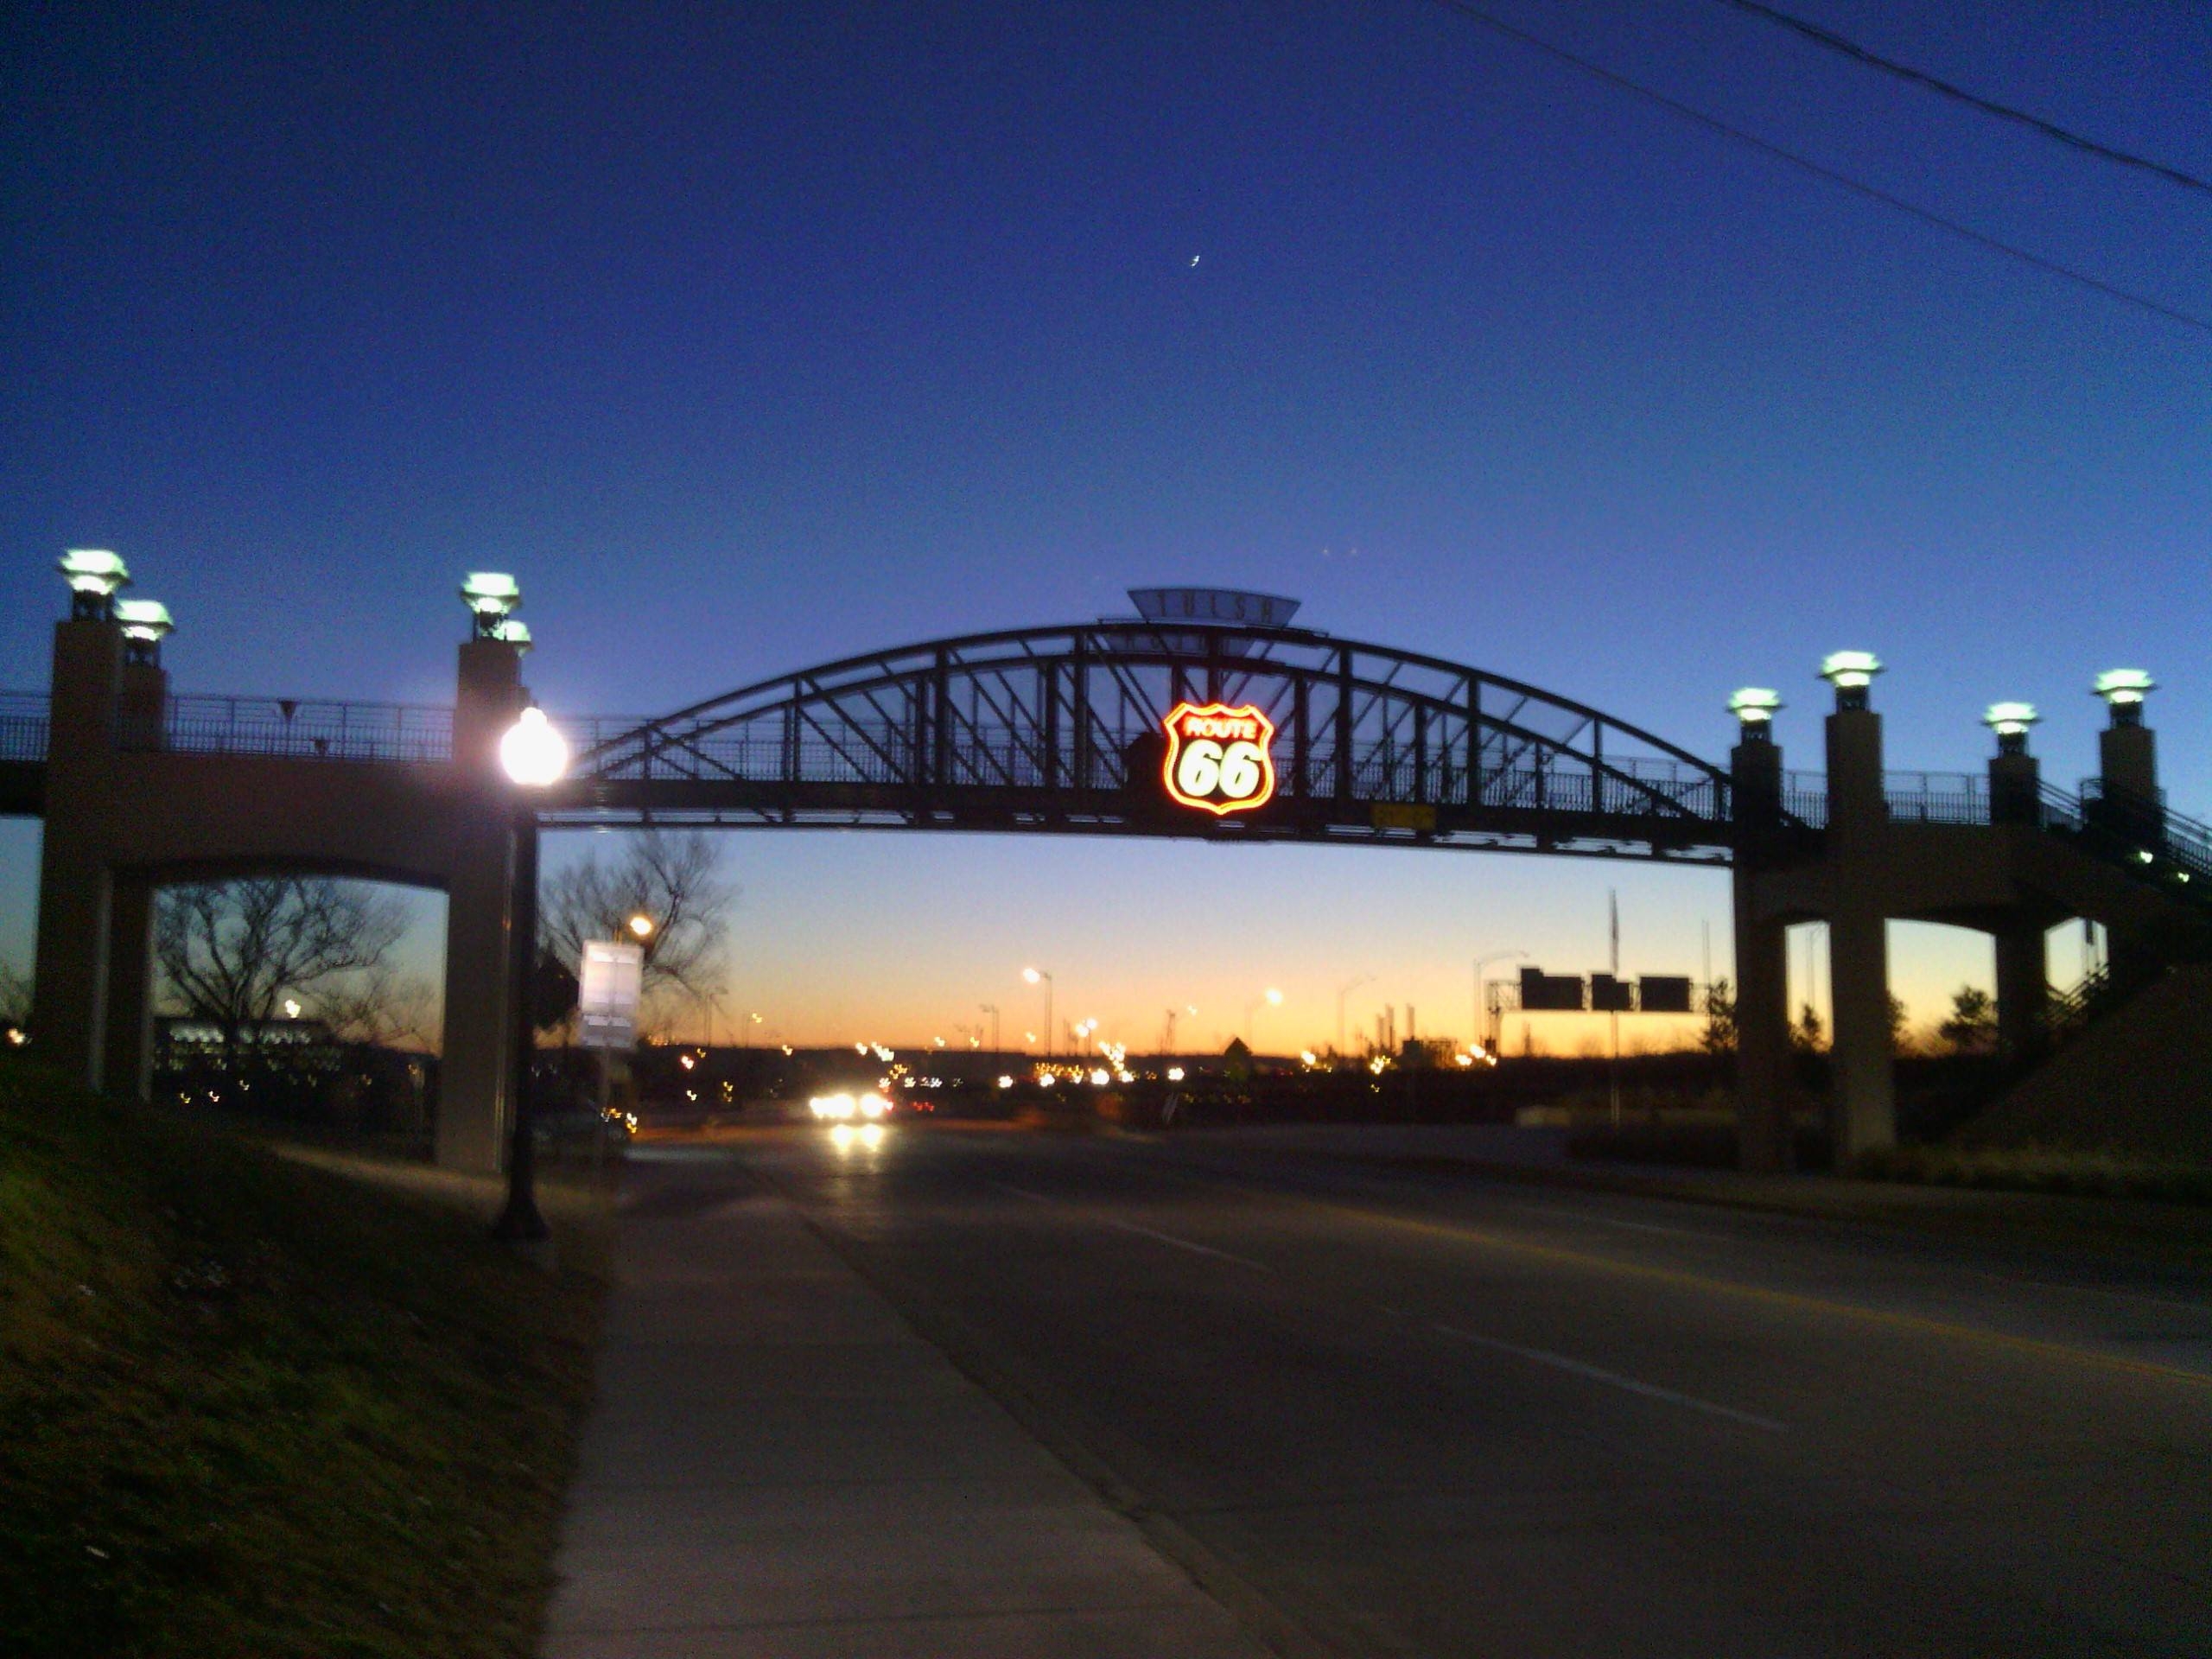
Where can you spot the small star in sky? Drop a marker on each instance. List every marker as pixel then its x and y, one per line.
pixel 1195 258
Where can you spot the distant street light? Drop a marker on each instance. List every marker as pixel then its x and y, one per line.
pixel 1270 998
pixel 1039 977
pixel 1481 962
pixel 1343 991
pixel 640 927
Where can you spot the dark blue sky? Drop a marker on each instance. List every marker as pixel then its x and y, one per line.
pixel 751 336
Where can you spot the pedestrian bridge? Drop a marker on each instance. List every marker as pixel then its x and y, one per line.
pixel 1155 725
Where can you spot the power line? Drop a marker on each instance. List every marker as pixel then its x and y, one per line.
pixel 1851 48
pixel 1711 123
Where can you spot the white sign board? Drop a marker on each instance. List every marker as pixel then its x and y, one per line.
pixel 607 993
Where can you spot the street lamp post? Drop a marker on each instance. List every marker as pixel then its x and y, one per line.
pixel 1343 991
pixel 1270 998
pixel 992 1008
pixel 534 755
pixel 1481 962
pixel 1035 976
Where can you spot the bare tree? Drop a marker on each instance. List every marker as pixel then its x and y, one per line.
pixel 674 881
pixel 380 1007
pixel 230 952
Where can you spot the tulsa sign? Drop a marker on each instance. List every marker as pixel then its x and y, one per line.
pixel 1218 759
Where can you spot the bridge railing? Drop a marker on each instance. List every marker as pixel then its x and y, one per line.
pixel 1912 797
pixel 2145 832
pixel 24 725
pixel 299 728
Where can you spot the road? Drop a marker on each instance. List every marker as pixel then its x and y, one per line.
pixel 1398 1413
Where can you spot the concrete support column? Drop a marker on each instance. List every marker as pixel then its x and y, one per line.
pixel 70 971
pixel 2023 980
pixel 1858 970
pixel 476 1079
pixel 129 1039
pixel 2129 813
pixel 2022 991
pixel 1762 1093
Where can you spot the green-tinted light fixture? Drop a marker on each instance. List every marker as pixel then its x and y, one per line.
pixel 513 630
pixel 1754 705
pixel 2118 686
pixel 490 595
pixel 94 574
pixel 1850 670
pixel 145 624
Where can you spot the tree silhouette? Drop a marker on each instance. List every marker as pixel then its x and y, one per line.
pixel 230 952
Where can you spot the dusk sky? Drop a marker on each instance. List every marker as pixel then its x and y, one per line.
pixel 751 336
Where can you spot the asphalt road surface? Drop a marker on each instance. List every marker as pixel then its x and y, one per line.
pixel 1390 1414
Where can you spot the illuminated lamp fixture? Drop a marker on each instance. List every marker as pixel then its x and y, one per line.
pixel 2011 720
pixel 533 752
pixel 2123 691
pixel 641 927
pixel 93 575
pixel 1754 707
pixel 1851 672
pixel 513 630
pixel 145 623
pixel 490 596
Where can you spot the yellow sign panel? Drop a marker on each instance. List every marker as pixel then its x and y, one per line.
pixel 1403 815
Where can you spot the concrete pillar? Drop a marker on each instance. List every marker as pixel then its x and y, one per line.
pixel 2127 754
pixel 1859 970
pixel 128 1067
pixel 1762 1091
pixel 475 1073
pixel 70 969
pixel 2127 769
pixel 2023 980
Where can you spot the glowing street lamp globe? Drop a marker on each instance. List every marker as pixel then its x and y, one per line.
pixel 532 752
pixel 513 630
pixel 641 927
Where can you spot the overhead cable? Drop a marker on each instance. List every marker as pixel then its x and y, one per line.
pixel 2011 251
pixel 1851 48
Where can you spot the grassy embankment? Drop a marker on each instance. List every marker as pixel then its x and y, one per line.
pixel 252 1408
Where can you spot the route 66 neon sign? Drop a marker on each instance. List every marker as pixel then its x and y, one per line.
pixel 1217 757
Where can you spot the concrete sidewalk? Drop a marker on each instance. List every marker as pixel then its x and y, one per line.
pixel 778 1465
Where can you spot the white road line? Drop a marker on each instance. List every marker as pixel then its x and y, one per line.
pixel 1185 1244
pixel 1141 1232
pixel 1614 1379
pixel 1629 1226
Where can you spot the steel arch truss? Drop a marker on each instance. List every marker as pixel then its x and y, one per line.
pixel 1058 729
